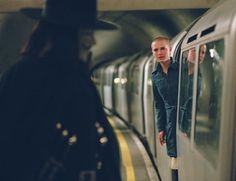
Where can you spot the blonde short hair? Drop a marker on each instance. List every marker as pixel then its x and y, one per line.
pixel 162 38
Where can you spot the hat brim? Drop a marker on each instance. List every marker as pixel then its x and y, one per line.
pixel 36 14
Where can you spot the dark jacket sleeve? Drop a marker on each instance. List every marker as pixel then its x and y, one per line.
pixel 159 109
pixel 112 162
pixel 9 110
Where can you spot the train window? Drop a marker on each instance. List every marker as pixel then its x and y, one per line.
pixel 123 80
pixel 186 93
pixel 208 106
pixel 134 78
pixel 149 79
pixel 208 30
pixel 111 77
pixel 106 82
pixel 104 77
pixel 192 38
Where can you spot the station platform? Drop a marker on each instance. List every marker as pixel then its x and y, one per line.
pixel 136 163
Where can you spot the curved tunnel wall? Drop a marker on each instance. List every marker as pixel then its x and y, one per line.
pixel 137 29
pixel 14 32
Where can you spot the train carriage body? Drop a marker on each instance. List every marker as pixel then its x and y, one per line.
pixel 148 106
pixel 136 92
pixel 206 107
pixel 123 89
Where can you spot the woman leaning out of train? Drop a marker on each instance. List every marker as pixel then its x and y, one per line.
pixel 165 91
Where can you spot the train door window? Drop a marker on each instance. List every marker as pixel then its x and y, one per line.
pixel 186 93
pixel 110 77
pixel 208 100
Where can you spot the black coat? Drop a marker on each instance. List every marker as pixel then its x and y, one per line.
pixel 36 95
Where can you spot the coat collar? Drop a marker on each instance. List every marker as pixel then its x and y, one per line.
pixel 173 65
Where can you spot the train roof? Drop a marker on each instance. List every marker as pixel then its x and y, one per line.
pixel 212 23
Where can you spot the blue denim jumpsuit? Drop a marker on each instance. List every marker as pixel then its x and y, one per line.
pixel 165 91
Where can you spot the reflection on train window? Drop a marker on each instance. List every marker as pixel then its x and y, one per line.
pixel 208 106
pixel 186 93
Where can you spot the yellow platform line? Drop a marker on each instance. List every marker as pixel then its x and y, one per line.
pixel 125 153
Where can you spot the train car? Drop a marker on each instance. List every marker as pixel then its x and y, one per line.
pixel 207 92
pixel 148 109
pixel 103 81
pixel 117 81
pixel 113 80
pixel 136 84
pixel 122 89
pixel 110 73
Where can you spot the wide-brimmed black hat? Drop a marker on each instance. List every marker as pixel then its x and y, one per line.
pixel 70 13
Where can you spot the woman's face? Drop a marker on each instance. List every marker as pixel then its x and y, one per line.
pixel 161 50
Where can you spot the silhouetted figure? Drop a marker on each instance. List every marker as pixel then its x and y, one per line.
pixel 53 126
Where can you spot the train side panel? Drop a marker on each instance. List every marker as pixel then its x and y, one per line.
pixel 136 93
pixel 205 129
pixel 108 86
pixel 148 106
pixel 122 91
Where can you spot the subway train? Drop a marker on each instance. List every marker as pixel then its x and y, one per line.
pixel 206 110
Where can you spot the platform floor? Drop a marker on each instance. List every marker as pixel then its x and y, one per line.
pixel 136 164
